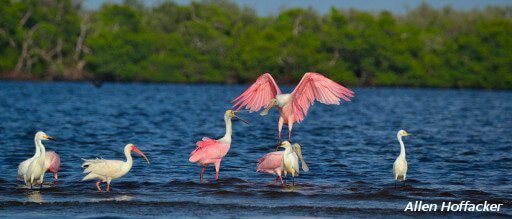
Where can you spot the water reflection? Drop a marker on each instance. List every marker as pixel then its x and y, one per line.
pixel 35 196
pixel 116 198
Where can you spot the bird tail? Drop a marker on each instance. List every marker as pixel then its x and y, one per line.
pixel 194 157
pixel 89 176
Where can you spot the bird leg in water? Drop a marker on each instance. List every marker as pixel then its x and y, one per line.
pixel 201 174
pixel 282 182
pixel 55 179
pixel 275 180
pixel 98 185
pixel 217 169
pixel 108 186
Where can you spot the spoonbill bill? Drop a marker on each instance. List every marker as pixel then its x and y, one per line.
pixel 51 163
pixel 293 107
pixel 107 170
pixel 273 162
pixel 400 165
pixel 32 170
pixel 211 151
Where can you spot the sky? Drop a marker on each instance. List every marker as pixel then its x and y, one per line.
pixel 272 7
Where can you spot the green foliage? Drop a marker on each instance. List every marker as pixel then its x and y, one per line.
pixel 219 42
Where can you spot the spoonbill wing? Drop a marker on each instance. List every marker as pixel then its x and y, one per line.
pixel 206 149
pixel 270 161
pixel 258 94
pixel 314 86
pixel 52 161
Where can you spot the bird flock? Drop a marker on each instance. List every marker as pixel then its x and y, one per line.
pixel 263 93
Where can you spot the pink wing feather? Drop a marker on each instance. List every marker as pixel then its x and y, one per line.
pixel 314 86
pixel 207 148
pixel 258 95
pixel 270 161
pixel 54 160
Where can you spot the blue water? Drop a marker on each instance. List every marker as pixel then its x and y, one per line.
pixel 461 149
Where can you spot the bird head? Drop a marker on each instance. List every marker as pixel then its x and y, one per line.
pixel 136 150
pixel 232 114
pixel 402 133
pixel 285 144
pixel 43 136
pixel 270 104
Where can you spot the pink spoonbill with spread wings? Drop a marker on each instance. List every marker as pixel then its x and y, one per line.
pixel 107 170
pixel 294 106
pixel 211 151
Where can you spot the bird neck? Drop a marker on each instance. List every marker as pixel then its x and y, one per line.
pixel 283 99
pixel 287 150
pixel 227 136
pixel 128 154
pixel 402 146
pixel 38 144
pixel 42 151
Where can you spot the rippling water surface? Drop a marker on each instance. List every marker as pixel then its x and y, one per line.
pixel 461 150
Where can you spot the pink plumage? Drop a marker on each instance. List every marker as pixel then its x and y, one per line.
pixel 293 107
pixel 258 94
pixel 52 162
pixel 208 151
pixel 314 86
pixel 272 163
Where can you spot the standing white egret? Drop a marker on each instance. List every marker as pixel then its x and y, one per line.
pixel 291 157
pixel 273 162
pixel 33 169
pixel 106 170
pixel 52 159
pixel 400 165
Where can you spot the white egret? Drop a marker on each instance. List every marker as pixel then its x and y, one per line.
pixel 291 157
pixel 33 169
pixel 273 162
pixel 400 165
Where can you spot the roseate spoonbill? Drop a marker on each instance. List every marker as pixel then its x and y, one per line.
pixel 32 170
pixel 107 170
pixel 400 165
pixel 294 106
pixel 211 151
pixel 273 162
pixel 52 160
pixel 52 163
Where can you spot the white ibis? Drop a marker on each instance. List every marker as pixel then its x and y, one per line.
pixel 107 170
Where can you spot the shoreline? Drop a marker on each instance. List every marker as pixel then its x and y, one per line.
pixel 243 84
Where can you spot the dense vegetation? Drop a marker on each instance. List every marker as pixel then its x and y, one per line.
pixel 217 41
